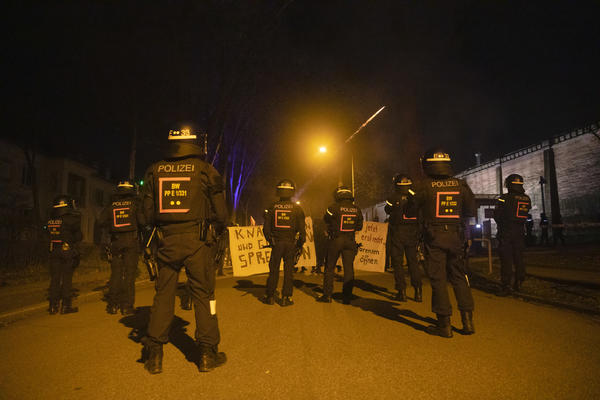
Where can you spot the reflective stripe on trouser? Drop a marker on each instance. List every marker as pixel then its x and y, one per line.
pixel 444 263
pixel 185 250
pixel 282 250
pixel 346 246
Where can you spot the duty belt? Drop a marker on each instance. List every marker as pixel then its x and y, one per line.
pixel 200 227
pixel 446 227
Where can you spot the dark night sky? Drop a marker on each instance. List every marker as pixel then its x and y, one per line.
pixel 488 76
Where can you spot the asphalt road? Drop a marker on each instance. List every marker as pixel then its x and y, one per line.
pixel 373 349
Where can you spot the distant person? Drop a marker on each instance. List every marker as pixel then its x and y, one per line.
pixel 444 203
pixel 343 219
pixel 529 238
pixel 320 236
pixel 403 236
pixel 557 230
pixel 122 218
pixel 64 229
pixel 510 214
pixel 179 193
pixel 544 228
pixel 285 230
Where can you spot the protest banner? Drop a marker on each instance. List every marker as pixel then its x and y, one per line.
pixel 249 256
pixel 371 255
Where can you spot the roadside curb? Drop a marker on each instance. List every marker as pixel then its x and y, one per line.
pixel 12 316
pixel 21 313
pixel 542 300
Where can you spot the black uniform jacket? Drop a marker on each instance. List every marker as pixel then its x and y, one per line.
pixel 444 201
pixel 123 214
pixel 64 229
pixel 511 211
pixel 180 193
pixel 343 218
pixel 283 221
pixel 401 208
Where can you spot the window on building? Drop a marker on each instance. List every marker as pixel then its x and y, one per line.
pixel 76 189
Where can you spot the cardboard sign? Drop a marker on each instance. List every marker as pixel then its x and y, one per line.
pixel 250 257
pixel 371 255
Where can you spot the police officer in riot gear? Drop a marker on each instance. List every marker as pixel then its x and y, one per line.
pixel 443 203
pixel 343 218
pixel 179 193
pixel 285 230
pixel 122 218
pixel 64 228
pixel 403 236
pixel 512 210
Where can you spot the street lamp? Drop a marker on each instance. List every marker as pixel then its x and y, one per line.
pixel 322 149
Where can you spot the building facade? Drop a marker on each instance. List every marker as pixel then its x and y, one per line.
pixel 90 189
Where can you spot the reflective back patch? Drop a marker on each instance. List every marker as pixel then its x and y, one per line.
pixel 447 205
pixel 283 219
pixel 522 209
pixel 121 217
pixel 348 223
pixel 54 228
pixel 174 194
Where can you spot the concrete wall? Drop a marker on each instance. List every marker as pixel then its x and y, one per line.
pixel 577 170
pixel 578 177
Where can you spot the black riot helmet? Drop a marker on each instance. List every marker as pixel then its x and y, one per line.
pixel 186 142
pixel 437 162
pixel 402 182
pixel 343 193
pixel 514 184
pixel 62 204
pixel 285 189
pixel 124 187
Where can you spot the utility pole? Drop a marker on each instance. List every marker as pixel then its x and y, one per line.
pixel 542 183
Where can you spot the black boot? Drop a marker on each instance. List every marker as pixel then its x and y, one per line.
pixel 54 307
pixel 287 301
pixel 418 294
pixel 186 303
pixel 268 299
pixel 441 328
pixel 152 356
pixel 67 308
pixel 210 358
pixel 127 309
pixel 112 308
pixel 324 299
pixel 401 295
pixel 467 321
pixel 505 290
